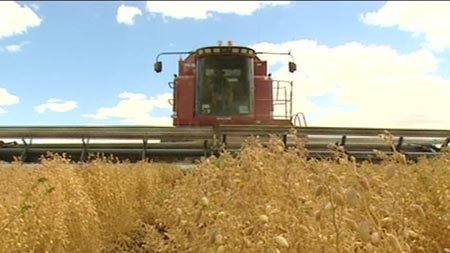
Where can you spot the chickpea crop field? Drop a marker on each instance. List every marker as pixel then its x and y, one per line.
pixel 264 200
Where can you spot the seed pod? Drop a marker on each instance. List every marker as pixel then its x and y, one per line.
pixel 412 234
pixel 407 248
pixel 218 239
pixel 405 233
pixel 247 242
pixel 318 191
pixel 282 242
pixel 352 197
pixel 220 214
pixel 395 244
pixel 212 236
pixel 263 218
pixel 347 249
pixel 364 183
pixel 369 248
pixel 249 230
pixel 204 201
pixel 333 177
pixel 301 199
pixel 399 157
pixel 342 161
pixel 338 199
pixel 323 239
pixel 303 228
pixel 390 171
pixel 220 249
pixel 418 211
pixel 386 222
pixel 318 215
pixel 314 177
pixel 374 238
pixel 328 206
pixel 351 223
pixel 364 231
pixel 179 212
pixel 198 215
pixel 421 249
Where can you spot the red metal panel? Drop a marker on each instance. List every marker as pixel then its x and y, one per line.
pixel 263 98
pixel 184 96
pixel 260 68
pixel 187 67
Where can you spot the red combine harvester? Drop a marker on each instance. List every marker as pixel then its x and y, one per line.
pixel 221 95
pixel 228 85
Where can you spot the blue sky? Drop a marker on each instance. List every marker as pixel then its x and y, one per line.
pixel 365 64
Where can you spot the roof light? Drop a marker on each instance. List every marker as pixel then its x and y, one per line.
pixel 219 43
pixel 230 43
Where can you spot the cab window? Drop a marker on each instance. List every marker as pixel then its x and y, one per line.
pixel 224 85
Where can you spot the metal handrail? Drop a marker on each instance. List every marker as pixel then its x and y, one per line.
pixel 287 101
pixel 297 118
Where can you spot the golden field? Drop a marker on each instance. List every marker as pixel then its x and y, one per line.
pixel 263 200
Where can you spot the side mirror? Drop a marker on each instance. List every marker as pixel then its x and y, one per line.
pixel 158 66
pixel 292 67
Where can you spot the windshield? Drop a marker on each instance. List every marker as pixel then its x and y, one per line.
pixel 224 85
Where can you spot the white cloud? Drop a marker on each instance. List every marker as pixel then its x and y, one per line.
pixel 383 87
pixel 136 108
pixel 35 7
pixel 14 48
pixel 204 9
pixel 16 19
pixel 7 98
pixel 56 105
pixel 126 14
pixel 429 18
